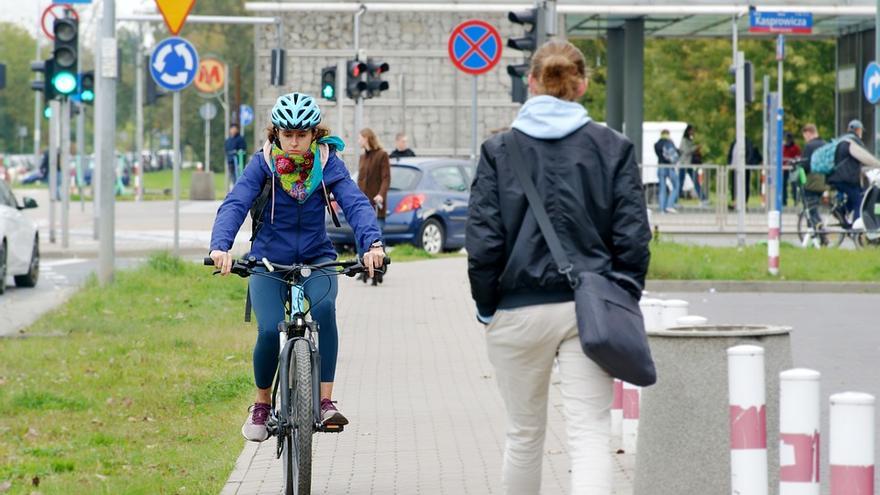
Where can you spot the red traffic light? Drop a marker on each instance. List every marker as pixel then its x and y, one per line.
pixel 355 68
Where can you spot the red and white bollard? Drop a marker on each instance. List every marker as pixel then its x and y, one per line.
pixel 773 220
pixel 630 425
pixel 852 444
pixel 617 410
pixel 748 420
pixel 799 432
pixel 673 309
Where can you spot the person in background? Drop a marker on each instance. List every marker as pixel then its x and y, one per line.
pixel 847 174
pixel 234 143
pixel 790 152
pixel 688 150
pixel 667 155
pixel 753 157
pixel 400 148
pixel 815 186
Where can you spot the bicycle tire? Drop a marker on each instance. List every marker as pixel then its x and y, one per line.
pixel 833 232
pixel 863 241
pixel 298 444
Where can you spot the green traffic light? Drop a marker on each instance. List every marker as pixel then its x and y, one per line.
pixel 87 95
pixel 328 91
pixel 64 82
pixel 47 112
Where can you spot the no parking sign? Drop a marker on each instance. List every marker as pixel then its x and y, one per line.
pixel 475 47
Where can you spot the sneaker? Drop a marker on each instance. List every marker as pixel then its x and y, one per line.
pixel 671 210
pixel 254 427
pixel 330 415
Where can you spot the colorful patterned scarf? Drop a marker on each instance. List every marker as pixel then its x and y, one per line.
pixel 298 174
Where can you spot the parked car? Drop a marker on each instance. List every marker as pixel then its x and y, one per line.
pixel 427 205
pixel 19 241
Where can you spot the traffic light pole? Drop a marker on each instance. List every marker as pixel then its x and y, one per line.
pixel 106 94
pixel 38 115
pixel 341 84
pixel 740 149
pixel 359 101
pixel 65 173
pixel 81 153
pixel 54 134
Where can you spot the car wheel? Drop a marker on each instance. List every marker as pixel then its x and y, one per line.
pixel 30 278
pixel 3 266
pixel 432 237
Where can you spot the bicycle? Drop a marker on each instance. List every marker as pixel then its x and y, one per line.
pixel 833 226
pixel 296 414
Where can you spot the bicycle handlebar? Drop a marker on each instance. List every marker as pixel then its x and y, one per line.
pixel 245 267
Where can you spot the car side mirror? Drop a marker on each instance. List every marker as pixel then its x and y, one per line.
pixel 29 203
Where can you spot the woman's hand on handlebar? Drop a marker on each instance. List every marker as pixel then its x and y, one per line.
pixel 374 259
pixel 222 260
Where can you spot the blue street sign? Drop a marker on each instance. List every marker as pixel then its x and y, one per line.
pixel 780 22
pixel 474 46
pixel 872 83
pixel 174 63
pixel 246 115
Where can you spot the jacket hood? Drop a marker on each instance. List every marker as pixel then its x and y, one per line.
pixel 546 117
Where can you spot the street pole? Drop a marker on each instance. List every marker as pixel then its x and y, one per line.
pixel 876 58
pixel 226 120
pixel 38 113
pixel 54 135
pixel 740 150
pixel 359 101
pixel 139 114
pixel 80 153
pixel 780 116
pixel 65 173
pixel 107 96
pixel 207 145
pixel 96 144
pixel 341 84
pixel 176 173
pixel 474 122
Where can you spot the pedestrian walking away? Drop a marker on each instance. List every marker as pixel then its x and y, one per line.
pixel 400 148
pixel 590 183
pixel 296 169
pixel 815 186
pixel 668 155
pixel 689 156
pixel 374 179
pixel 235 147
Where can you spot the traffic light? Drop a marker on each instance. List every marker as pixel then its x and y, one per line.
pixel 65 55
pixel 375 84
pixel 749 77
pixel 2 76
pixel 47 68
pixel 151 89
pixel 328 83
pixel 355 84
pixel 87 87
pixel 534 23
pixel 276 74
pixel 519 91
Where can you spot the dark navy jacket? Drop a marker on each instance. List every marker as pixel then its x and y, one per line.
pixel 232 145
pixel 298 233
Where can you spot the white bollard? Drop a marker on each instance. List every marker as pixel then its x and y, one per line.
pixel 773 221
pixel 748 420
pixel 617 410
pixel 651 313
pixel 691 321
pixel 673 309
pixel 799 432
pixel 852 444
pixel 630 425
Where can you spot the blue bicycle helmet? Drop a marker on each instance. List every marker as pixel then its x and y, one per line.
pixel 296 111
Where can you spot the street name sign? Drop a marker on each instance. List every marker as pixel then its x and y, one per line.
pixel 780 22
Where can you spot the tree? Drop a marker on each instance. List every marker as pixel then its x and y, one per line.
pixel 17 48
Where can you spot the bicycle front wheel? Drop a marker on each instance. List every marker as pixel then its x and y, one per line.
pixel 829 232
pixel 297 451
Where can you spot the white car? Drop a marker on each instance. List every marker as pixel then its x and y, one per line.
pixel 19 241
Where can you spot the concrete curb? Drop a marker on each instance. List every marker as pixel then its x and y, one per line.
pixel 761 286
pixel 120 253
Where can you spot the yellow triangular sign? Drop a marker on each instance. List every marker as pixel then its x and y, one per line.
pixel 175 12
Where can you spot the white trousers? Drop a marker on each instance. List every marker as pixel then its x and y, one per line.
pixel 522 343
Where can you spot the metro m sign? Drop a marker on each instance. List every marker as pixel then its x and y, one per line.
pixel 211 76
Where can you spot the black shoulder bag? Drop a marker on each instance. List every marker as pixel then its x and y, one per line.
pixel 610 323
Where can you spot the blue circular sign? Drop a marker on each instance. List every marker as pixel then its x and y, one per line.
pixel 246 115
pixel 174 63
pixel 872 83
pixel 475 46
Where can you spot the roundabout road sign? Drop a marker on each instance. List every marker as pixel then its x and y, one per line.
pixel 475 47
pixel 174 63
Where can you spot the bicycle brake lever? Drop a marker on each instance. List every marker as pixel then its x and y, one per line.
pixel 216 272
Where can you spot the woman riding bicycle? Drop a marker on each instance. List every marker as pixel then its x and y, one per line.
pixel 299 160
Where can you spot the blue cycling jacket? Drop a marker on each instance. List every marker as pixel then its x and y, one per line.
pixel 298 232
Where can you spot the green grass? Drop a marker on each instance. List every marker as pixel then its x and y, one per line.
pixel 142 393
pixel 158 185
pixel 405 252
pixel 670 261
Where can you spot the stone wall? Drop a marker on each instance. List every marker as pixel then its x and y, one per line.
pixel 435 110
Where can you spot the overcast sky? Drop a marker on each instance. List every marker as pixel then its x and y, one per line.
pixel 26 13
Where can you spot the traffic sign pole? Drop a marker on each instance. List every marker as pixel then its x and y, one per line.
pixel 139 115
pixel 106 93
pixel 54 134
pixel 474 136
pixel 176 172
pixel 65 173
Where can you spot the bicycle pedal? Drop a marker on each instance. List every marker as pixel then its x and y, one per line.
pixel 331 428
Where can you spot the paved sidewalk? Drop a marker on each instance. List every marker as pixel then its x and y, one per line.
pixel 418 388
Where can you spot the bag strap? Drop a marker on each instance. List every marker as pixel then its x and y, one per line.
pixel 514 152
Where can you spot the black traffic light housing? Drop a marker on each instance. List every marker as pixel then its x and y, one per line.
pixel 47 68
pixel 65 55
pixel 355 84
pixel 519 91
pixel 328 83
pixel 277 71
pixel 748 77
pixel 87 87
pixel 375 84
pixel 151 89
pixel 534 23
